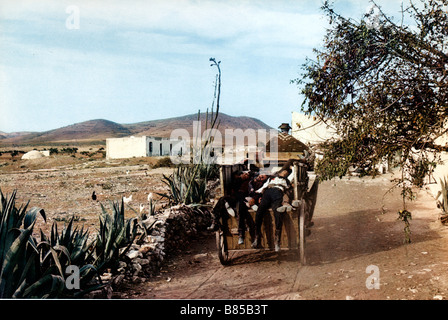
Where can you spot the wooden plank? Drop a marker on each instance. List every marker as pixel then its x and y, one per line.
pixel 289 237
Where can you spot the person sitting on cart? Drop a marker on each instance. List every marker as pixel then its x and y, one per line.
pixel 254 198
pixel 239 190
pixel 272 197
pixel 257 185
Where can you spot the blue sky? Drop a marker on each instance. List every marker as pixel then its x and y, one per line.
pixel 132 61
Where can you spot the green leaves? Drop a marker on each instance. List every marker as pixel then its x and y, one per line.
pixel 382 88
pixel 31 216
pixel 18 249
pixel 183 187
pixel 114 233
pixel 14 256
pixel 37 269
pixel 188 184
pixel 49 286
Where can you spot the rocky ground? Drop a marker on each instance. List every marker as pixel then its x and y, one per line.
pixel 63 186
pixel 356 241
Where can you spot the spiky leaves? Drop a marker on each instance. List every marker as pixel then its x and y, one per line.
pixel 114 234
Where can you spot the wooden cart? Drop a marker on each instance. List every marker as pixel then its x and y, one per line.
pixel 295 223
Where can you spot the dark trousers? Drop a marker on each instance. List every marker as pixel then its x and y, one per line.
pixel 272 198
pixel 243 213
pixel 237 203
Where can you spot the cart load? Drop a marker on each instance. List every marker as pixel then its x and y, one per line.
pixel 297 219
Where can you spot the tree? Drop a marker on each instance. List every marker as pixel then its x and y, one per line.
pixel 382 85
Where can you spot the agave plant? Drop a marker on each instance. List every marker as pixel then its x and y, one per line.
pixel 114 234
pixel 70 248
pixel 75 242
pixel 19 250
pixel 186 186
pixel 36 269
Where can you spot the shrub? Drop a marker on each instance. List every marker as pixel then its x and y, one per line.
pixel 164 162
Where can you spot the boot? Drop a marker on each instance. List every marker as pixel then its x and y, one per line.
pixel 256 243
pixel 214 226
pixel 285 207
pixel 241 237
pixel 277 240
pixel 229 209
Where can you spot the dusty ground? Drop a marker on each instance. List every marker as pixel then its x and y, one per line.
pixel 63 186
pixel 355 227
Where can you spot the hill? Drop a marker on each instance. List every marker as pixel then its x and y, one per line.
pixel 92 130
pixel 6 135
pixel 100 130
pixel 164 127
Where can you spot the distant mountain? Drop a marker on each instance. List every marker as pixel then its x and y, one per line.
pixel 5 135
pixel 164 127
pixel 100 130
pixel 92 130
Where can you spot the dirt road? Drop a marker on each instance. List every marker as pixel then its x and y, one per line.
pixel 356 230
pixel 356 243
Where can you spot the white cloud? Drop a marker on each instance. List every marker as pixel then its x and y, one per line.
pixel 177 26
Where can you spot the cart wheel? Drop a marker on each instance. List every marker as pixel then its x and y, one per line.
pixel 302 234
pixel 221 245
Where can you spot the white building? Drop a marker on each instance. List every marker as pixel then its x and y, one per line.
pixel 309 130
pixel 312 132
pixel 144 146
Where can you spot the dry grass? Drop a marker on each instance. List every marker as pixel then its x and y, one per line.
pixel 62 185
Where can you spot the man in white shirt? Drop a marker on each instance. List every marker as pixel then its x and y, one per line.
pixel 273 191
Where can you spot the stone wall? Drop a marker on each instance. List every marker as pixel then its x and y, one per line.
pixel 172 230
